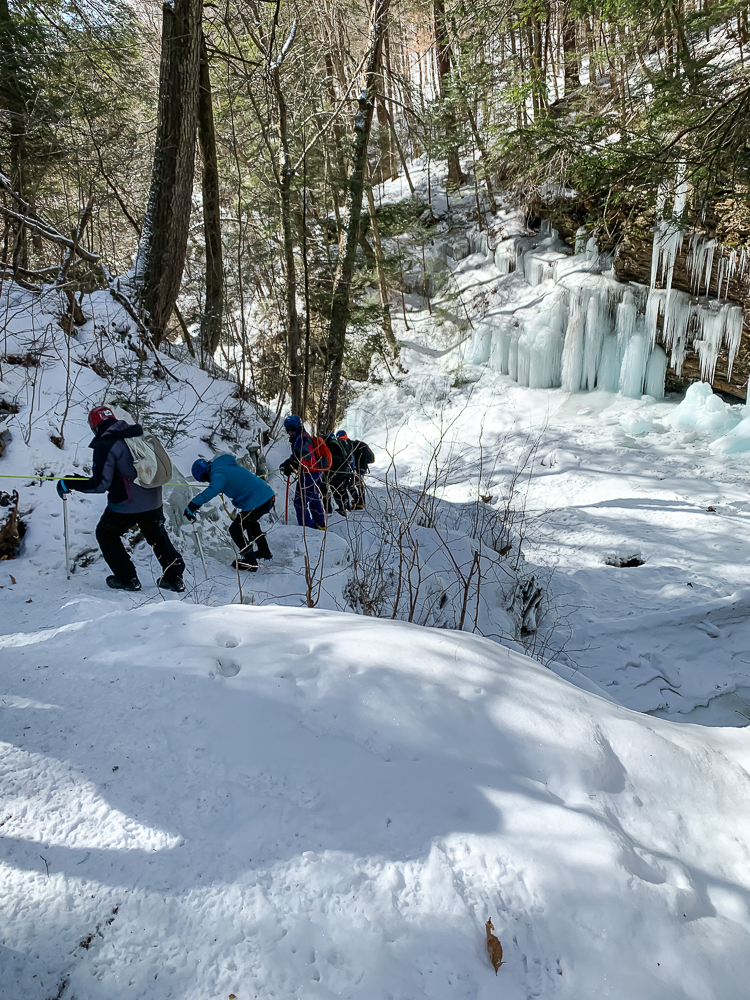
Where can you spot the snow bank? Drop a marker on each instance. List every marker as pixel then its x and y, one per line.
pixel 735 441
pixel 324 805
pixel 703 412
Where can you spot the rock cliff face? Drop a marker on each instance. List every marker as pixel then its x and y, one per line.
pixel 633 263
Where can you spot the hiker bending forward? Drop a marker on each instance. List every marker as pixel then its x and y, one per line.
pixel 252 497
pixel 362 459
pixel 128 505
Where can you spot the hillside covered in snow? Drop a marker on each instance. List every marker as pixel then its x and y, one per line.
pixel 502 682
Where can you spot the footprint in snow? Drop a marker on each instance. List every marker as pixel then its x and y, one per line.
pixel 225 668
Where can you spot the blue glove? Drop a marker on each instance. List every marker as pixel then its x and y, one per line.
pixel 191 511
pixel 62 489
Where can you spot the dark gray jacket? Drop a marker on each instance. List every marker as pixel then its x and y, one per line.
pixel 113 471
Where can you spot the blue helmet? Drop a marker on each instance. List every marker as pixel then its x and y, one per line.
pixel 341 434
pixel 292 423
pixel 199 470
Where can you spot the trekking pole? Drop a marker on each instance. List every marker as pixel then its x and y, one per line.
pixel 67 537
pixel 200 548
pixel 286 502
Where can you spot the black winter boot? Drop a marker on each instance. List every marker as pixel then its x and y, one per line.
pixel 262 550
pixel 249 564
pixel 173 583
pixel 130 585
pixel 246 560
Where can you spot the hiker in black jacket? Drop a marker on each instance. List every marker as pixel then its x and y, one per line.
pixel 362 458
pixel 339 477
pixel 128 505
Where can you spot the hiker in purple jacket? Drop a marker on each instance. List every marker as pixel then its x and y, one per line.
pixel 128 505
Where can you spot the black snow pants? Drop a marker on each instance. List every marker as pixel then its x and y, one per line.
pixel 247 533
pixel 338 485
pixel 112 527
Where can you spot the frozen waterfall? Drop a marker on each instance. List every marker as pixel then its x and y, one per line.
pixel 586 329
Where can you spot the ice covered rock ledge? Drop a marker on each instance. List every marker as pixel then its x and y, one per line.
pixel 585 329
pixel 288 803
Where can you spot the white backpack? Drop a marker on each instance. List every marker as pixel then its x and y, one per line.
pixel 153 465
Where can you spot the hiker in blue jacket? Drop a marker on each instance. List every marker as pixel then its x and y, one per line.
pixel 252 497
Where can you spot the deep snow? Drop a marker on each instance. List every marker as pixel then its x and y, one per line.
pixel 289 803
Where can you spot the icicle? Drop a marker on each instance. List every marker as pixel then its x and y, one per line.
pixel 680 191
pixel 498 359
pixel 572 360
pixel 592 251
pixel 633 369
pixel 732 266
pixel 525 344
pixel 656 371
pixel 546 359
pixel 594 337
pixel 711 323
pixel 515 333
pixel 608 375
pixel 480 345
pixel 627 316
pixel 675 328
pixel 654 308
pixel 661 198
pixel 504 262
pixel 709 264
pixel 668 238
pixel 700 261
pixel 580 243
pixel 733 321
pixel 661 234
pixel 535 270
pixel 556 314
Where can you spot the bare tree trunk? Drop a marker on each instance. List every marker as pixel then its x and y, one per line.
pixel 286 175
pixel 161 254
pixel 339 171
pixel 214 306
pixel 570 52
pixel 443 55
pixel 340 306
pixel 12 100
pixel 382 280
pixel 485 159
pixel 387 169
pixel 397 144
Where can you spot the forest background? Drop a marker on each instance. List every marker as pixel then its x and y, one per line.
pixel 213 163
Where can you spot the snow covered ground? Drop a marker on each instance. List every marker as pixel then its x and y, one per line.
pixel 669 634
pixel 606 480
pixel 233 794
pixel 274 802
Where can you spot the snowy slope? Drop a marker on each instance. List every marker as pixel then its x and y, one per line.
pixel 664 635
pixel 53 380
pixel 289 803
pixel 604 479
